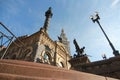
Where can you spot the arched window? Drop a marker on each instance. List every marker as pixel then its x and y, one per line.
pixel 47 58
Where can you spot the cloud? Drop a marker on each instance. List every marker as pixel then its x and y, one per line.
pixel 115 3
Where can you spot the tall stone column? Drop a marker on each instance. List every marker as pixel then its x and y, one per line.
pixel 48 15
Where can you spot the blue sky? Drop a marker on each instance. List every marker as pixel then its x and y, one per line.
pixel 27 16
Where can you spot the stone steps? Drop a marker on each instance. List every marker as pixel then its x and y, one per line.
pixel 5 76
pixel 22 70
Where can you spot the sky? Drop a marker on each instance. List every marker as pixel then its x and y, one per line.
pixel 25 17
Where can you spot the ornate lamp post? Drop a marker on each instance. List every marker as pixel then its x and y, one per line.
pixel 96 18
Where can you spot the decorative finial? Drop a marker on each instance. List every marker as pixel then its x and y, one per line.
pixel 62 30
pixel 49 13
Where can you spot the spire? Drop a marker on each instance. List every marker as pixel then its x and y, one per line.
pixel 48 15
pixel 63 35
pixel 62 30
pixel 63 39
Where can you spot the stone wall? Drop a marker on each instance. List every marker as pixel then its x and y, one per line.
pixel 109 67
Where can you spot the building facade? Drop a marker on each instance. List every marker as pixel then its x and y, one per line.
pixel 39 47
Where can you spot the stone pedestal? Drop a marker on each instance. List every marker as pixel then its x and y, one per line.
pixel 77 61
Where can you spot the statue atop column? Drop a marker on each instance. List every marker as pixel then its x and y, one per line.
pixel 48 15
pixel 79 50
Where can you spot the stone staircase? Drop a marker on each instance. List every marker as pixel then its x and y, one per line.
pixel 23 70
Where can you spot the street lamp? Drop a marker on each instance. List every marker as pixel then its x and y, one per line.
pixel 96 18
